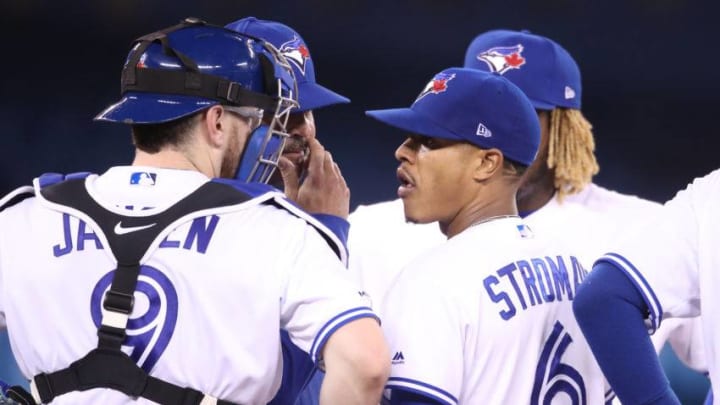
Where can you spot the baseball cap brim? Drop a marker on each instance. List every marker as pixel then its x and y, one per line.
pixel 412 121
pixel 152 108
pixel 312 96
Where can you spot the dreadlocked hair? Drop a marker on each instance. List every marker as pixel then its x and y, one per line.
pixel 571 151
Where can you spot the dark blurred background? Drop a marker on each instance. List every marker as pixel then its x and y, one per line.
pixel 649 76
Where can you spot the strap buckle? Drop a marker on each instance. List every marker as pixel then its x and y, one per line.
pixel 228 90
pixel 41 389
pixel 110 337
pixel 118 302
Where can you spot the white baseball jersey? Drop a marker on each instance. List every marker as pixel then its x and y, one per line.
pixel 381 243
pixel 486 318
pixel 673 259
pixel 592 221
pixel 210 300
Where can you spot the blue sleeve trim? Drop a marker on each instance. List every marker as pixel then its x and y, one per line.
pixel 609 396
pixel 424 389
pixel 411 397
pixel 641 284
pixel 339 226
pixel 330 227
pixel 336 322
pixel 251 189
pixel 48 179
pixel 77 175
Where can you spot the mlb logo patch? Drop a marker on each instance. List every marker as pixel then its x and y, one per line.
pixel 525 231
pixel 143 178
pixel 500 59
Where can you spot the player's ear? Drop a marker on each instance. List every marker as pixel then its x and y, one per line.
pixel 487 163
pixel 215 124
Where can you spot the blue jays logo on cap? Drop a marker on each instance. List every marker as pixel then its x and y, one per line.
pixel 143 178
pixel 296 52
pixel 500 59
pixel 438 84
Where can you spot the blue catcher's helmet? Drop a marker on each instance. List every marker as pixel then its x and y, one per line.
pixel 186 68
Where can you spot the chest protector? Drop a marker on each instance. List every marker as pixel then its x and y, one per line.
pixel 107 366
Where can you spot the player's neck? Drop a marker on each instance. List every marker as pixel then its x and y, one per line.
pixel 170 159
pixel 535 194
pixel 479 212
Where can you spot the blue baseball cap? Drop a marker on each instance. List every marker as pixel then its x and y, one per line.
pixel 291 45
pixel 543 70
pixel 469 105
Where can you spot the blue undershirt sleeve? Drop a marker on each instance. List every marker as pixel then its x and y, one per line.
pixel 611 313
pixel 400 397
pixel 339 226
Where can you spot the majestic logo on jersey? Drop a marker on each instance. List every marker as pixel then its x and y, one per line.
pixel 296 52
pixel 121 230
pixel 437 85
pixel 503 58
pixel 143 178
pixel 398 358
pixel 152 322
pixel 368 299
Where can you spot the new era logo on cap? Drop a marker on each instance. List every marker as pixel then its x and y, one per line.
pixel 569 93
pixel 483 131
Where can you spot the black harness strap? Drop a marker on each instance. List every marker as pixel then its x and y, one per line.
pixel 182 82
pixel 128 75
pixel 129 238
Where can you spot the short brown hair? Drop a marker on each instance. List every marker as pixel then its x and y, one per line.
pixel 151 138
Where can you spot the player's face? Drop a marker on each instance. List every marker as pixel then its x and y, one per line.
pixel 301 127
pixel 538 176
pixel 435 183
